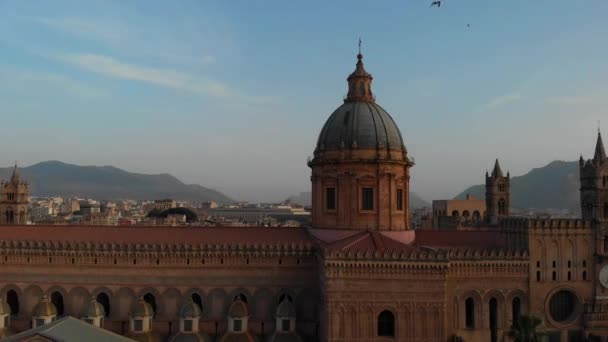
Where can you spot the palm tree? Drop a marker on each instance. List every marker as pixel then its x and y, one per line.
pixel 525 329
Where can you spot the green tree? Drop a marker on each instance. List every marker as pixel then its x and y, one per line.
pixel 526 329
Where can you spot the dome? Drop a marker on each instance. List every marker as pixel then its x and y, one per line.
pixel 190 310
pixel 4 307
pixel 363 125
pixel 45 308
pixel 286 309
pixel 360 123
pixel 238 309
pixel 94 309
pixel 142 309
pixel 190 337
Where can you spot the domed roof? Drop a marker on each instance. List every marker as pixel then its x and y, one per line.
pixel 142 309
pixel 190 337
pixel 45 308
pixel 286 309
pixel 238 309
pixel 190 310
pixel 94 309
pixel 360 122
pixel 363 125
pixel 4 307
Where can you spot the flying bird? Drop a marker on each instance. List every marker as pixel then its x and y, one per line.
pixel 436 3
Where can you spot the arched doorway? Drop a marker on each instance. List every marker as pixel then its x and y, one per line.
pixel 12 299
pixel 57 300
pixel 386 324
pixel 150 299
pixel 104 300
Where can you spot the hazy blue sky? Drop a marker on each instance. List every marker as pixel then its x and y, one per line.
pixel 232 94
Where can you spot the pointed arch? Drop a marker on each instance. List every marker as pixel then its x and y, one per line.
pixel 386 324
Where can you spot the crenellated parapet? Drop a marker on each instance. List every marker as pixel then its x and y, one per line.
pixel 527 223
pixel 136 250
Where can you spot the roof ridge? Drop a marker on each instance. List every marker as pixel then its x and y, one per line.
pixel 357 240
pixel 377 239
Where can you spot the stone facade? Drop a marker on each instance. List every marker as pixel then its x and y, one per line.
pixel 358 274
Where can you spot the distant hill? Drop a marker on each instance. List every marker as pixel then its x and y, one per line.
pixel 305 198
pixel 54 178
pixel 554 186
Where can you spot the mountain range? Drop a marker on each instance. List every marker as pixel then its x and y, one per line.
pixel 553 186
pixel 54 178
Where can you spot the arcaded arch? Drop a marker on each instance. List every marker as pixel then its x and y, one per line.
pixel 125 299
pixel 386 324
pixel 76 301
pixel 242 293
pixel 105 297
pixel 499 308
pixel 420 325
pixel 263 305
pixel 218 303
pixel 170 301
pixel 32 295
pixel 152 297
pixel 197 296
pixel 470 309
pixel 283 293
pixel 13 296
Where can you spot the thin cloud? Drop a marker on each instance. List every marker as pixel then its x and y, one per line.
pixel 572 100
pixel 502 101
pixel 111 67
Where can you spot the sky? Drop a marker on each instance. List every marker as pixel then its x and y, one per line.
pixel 232 94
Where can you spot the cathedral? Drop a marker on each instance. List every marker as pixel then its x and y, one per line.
pixel 359 273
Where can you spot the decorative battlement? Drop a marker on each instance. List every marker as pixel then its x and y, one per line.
pixel 526 223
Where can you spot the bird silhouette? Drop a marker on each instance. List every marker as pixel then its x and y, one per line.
pixel 436 3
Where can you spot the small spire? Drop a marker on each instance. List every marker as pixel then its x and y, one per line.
pixel 497 172
pixel 15 175
pixel 600 153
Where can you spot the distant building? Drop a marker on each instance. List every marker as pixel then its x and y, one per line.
pixel 451 214
pixel 87 208
pixel 164 204
pixel 14 200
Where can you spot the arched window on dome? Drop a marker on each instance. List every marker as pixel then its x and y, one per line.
pixel 386 324
pixel 104 300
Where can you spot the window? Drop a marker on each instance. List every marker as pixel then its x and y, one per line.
pixel 386 324
pixel 554 276
pixel 537 275
pixel 606 210
pixel 554 263
pixel 330 198
pixel 237 324
pixel 57 300
pixel 569 275
pixel 286 325
pixel 538 264
pixel 569 263
pixel 584 275
pixel 39 322
pixel 367 199
pixel 399 199
pixel 196 298
pixel 502 207
pixel 12 299
pixel 138 325
pixel 516 311
pixel 187 325
pixel 104 300
pixel 493 320
pixel 150 299
pixel 469 305
pixel 563 306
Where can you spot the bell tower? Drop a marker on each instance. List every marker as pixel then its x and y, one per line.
pixel 498 195
pixel 594 184
pixel 14 200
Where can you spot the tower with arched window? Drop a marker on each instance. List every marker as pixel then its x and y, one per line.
pixel 14 200
pixel 498 194
pixel 594 184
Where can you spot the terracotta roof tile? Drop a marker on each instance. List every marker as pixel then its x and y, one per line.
pixel 157 235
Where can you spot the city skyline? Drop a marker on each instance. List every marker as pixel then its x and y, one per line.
pixel 196 90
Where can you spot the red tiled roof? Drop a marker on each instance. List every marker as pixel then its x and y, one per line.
pixel 157 235
pixel 358 241
pixel 469 239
